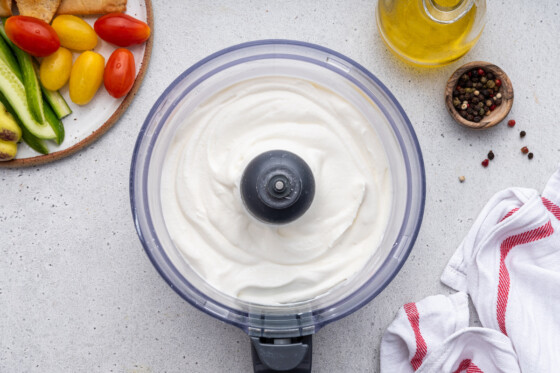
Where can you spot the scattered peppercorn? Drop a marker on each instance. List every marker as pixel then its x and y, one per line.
pixel 485 163
pixel 476 94
pixel 524 150
pixel 490 155
pixel 530 155
pixel 461 179
pixel 522 134
pixel 511 122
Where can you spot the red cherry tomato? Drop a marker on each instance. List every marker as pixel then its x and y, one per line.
pixel 121 29
pixel 120 73
pixel 33 35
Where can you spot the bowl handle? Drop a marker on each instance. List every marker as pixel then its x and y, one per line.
pixel 282 354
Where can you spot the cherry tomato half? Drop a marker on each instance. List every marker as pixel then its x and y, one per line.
pixel 120 73
pixel 33 35
pixel 121 29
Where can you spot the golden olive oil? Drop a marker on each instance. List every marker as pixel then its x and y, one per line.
pixel 430 32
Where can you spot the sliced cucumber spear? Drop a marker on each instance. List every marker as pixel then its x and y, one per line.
pixel 55 99
pixel 57 103
pixel 30 80
pixel 55 123
pixel 7 55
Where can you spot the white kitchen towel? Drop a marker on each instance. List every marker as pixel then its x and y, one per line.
pixel 509 263
pixel 432 336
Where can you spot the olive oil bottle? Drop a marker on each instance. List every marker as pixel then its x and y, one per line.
pixel 430 32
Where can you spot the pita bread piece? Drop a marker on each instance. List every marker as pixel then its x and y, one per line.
pixel 42 9
pixel 5 8
pixel 84 7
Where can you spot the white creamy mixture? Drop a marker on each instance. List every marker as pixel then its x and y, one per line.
pixel 259 262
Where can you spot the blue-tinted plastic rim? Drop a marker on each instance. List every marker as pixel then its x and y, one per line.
pixel 147 245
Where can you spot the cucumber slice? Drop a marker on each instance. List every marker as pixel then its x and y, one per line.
pixel 57 103
pixel 34 143
pixel 31 84
pixel 13 89
pixel 29 79
pixel 55 123
pixel 54 99
pixel 7 55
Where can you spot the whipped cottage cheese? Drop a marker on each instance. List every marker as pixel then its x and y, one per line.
pixel 274 264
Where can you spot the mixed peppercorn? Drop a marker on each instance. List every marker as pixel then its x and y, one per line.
pixel 524 150
pixel 477 94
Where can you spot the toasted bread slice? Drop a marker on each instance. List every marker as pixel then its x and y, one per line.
pixel 43 9
pixel 84 7
pixel 5 8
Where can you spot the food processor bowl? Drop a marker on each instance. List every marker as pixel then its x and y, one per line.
pixel 281 334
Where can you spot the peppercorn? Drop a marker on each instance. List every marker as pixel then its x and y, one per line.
pixel 522 134
pixel 476 95
pixel 511 122
pixel 498 82
pixel 485 163
pixel 524 150
pixel 530 155
pixel 461 179
pixel 490 155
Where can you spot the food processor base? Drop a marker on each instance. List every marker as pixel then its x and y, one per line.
pixel 291 355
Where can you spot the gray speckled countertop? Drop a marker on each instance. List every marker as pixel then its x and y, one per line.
pixel 78 293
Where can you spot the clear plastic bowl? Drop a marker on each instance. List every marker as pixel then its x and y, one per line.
pixel 327 68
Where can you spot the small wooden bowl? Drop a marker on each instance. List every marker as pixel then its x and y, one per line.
pixel 495 116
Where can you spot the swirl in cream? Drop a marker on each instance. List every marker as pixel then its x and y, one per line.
pixel 274 264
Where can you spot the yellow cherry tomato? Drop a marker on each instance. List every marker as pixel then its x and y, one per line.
pixel 74 33
pixel 86 77
pixel 55 69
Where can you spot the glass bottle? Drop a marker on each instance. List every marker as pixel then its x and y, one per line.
pixel 430 32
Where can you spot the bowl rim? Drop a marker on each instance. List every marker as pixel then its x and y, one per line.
pixel 402 255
